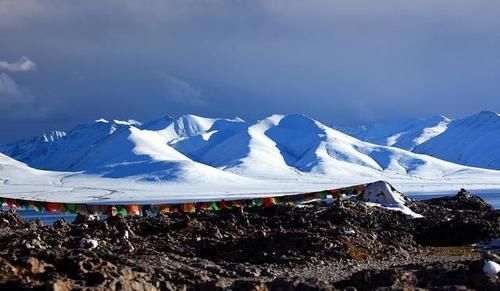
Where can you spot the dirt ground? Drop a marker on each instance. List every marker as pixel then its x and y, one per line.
pixel 283 247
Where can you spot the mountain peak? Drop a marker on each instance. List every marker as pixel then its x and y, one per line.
pixel 191 120
pixel 191 116
pixel 118 122
pixel 198 119
pixel 158 124
pixel 130 122
pixel 487 113
pixel 101 120
pixel 285 144
pixel 439 118
pixel 482 118
pixel 53 135
pixel 275 118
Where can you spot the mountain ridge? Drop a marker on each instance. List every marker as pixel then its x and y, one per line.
pixel 472 141
pixel 279 146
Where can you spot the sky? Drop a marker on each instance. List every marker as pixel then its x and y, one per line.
pixel 341 62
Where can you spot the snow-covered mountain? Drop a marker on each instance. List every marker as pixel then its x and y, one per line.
pixel 285 146
pixel 192 155
pixel 11 170
pixel 118 149
pixel 174 129
pixel 29 149
pixel 240 148
pixel 64 152
pixel 132 152
pixel 276 147
pixel 472 141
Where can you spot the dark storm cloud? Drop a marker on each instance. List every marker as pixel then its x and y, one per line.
pixel 339 61
pixel 16 101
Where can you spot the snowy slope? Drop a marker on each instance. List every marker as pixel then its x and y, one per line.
pixel 295 146
pixel 12 170
pixel 188 125
pixel 405 134
pixel 313 147
pixel 473 141
pixel 144 155
pixel 242 149
pixel 277 147
pixel 202 158
pixel 64 152
pixel 28 150
pixel 128 165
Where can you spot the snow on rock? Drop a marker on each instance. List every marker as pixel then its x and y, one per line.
pixel 491 269
pixel 52 136
pixel 88 243
pixel 128 122
pixel 382 194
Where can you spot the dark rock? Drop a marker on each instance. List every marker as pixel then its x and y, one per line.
pixel 315 247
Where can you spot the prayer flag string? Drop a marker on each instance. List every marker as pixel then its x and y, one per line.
pixel 193 207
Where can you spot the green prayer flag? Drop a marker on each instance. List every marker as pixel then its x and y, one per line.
pixel 214 206
pixel 71 208
pixel 257 202
pixel 122 211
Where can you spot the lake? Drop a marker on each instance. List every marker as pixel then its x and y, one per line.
pixel 49 218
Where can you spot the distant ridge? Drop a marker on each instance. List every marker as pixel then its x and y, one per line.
pixel 405 134
pixel 277 147
pixel 472 141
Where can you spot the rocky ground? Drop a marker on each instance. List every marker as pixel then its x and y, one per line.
pixel 319 246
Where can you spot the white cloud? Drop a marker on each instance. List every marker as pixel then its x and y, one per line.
pixel 182 92
pixel 22 65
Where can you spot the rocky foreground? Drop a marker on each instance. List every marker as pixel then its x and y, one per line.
pixel 318 246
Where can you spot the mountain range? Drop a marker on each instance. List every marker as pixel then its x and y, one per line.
pixel 192 155
pixel 472 141
pixel 279 146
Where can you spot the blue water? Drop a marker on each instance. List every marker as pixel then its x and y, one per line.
pixel 49 218
pixel 46 217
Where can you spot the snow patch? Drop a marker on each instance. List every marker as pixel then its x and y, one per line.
pixel 491 269
pixel 382 194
